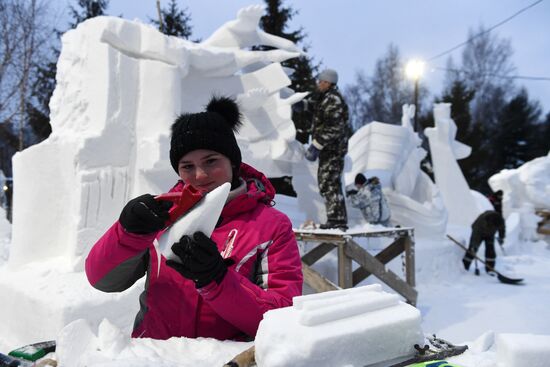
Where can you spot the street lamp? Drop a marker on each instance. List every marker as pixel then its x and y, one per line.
pixel 413 71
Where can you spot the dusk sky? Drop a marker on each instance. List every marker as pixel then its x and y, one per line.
pixel 350 35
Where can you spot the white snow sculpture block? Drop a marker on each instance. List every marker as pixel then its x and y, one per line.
pixel 120 85
pixel 352 327
pixel 449 179
pixel 514 350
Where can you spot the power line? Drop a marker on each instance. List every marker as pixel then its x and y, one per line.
pixel 544 78
pixel 484 32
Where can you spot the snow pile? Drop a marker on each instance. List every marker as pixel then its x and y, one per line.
pixel 523 350
pixel 355 327
pixel 506 350
pixel 39 299
pixel 79 345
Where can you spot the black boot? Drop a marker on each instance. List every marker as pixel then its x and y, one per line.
pixel 466 263
pixel 334 224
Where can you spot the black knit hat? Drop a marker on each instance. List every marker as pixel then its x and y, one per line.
pixel 214 129
pixel 360 179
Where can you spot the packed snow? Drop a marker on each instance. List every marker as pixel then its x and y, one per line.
pixel 121 83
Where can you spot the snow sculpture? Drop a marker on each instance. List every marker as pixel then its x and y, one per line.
pixel 525 189
pixel 393 153
pixel 351 327
pixel 120 84
pixel 529 183
pixel 460 204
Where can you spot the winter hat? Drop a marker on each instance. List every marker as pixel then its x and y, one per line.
pixel 329 75
pixel 360 179
pixel 214 129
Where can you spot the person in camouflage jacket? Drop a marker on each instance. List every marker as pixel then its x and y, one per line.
pixel 330 134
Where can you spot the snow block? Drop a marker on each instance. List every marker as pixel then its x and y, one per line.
pixel 351 327
pixel 37 302
pixel 523 350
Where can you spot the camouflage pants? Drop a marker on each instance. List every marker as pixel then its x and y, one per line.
pixel 329 177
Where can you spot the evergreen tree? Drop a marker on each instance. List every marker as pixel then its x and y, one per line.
pixel 175 22
pixel 513 143
pixel 275 22
pixel 88 9
pixel 486 61
pixel 541 138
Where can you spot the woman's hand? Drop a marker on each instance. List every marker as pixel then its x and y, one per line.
pixel 144 215
pixel 200 259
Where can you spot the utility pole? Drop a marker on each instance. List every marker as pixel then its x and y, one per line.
pixel 161 24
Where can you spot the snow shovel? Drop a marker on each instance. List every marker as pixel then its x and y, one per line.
pixel 501 278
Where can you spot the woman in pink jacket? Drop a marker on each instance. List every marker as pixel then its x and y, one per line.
pixel 208 294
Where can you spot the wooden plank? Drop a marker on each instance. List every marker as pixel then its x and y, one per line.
pixel 318 252
pixel 366 260
pixel 410 270
pixel 384 256
pixel 316 281
pixel 319 237
pixel 344 268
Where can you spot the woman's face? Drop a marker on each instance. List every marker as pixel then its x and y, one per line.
pixel 205 169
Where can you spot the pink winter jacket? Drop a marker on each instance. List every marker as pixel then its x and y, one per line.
pixel 266 273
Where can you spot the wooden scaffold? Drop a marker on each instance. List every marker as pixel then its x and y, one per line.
pixel 348 250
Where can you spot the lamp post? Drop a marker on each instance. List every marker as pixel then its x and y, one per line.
pixel 413 71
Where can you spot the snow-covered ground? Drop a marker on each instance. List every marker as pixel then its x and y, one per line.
pixel 454 304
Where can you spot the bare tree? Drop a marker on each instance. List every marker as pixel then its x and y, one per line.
pixel 486 61
pixel 24 36
pixel 381 97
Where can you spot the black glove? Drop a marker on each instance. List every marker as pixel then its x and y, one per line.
pixel 312 153
pixel 200 260
pixel 144 215
pixel 500 240
pixel 351 192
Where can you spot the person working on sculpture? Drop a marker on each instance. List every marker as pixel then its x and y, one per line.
pixel 207 294
pixel 367 196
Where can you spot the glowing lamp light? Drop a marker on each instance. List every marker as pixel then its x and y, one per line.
pixel 414 69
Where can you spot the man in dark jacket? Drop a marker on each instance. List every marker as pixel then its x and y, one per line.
pixel 484 229
pixel 496 200
pixel 330 134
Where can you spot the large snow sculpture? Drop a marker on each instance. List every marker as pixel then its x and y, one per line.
pixel 526 189
pixel 351 327
pixel 445 151
pixel 120 84
pixel 393 153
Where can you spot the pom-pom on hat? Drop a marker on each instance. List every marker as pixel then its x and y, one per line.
pixel 214 129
